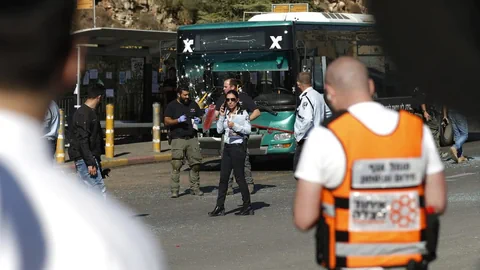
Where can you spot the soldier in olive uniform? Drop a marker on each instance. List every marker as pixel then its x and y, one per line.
pixel 182 115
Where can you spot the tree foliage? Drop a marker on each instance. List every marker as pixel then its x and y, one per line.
pixel 233 10
pixel 169 14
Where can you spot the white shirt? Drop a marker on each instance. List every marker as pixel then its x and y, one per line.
pixel 311 112
pixel 49 220
pixel 323 159
pixel 52 121
pixel 241 126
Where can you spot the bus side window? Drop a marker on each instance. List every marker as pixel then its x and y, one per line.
pixel 318 74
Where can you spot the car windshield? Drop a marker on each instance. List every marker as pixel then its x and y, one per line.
pixel 258 72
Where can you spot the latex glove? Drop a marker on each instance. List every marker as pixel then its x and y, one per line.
pixel 182 119
pixel 196 120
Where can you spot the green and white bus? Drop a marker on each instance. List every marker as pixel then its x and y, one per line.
pixel 266 53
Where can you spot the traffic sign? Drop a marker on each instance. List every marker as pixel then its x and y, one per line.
pixel 85 4
pixel 298 7
pixel 283 8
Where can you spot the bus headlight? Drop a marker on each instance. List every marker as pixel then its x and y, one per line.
pixel 282 136
pixel 281 146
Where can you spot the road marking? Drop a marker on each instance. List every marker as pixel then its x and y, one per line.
pixel 457 176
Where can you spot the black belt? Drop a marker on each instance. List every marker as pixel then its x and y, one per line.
pixel 234 144
pixel 185 137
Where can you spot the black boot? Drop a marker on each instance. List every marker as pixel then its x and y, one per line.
pixel 218 211
pixel 245 211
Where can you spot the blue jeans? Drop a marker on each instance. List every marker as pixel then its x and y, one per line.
pixel 460 129
pixel 92 181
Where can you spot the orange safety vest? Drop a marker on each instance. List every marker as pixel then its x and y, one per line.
pixel 376 217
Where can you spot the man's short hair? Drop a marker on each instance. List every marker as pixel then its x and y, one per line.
pixel 35 41
pixel 233 82
pixel 182 88
pixel 304 78
pixel 95 90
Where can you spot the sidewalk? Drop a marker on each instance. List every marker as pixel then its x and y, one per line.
pixel 129 154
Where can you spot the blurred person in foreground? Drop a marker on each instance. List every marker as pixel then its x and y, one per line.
pixel 47 220
pixel 371 180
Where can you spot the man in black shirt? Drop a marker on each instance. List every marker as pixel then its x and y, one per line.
pixel 249 105
pixel 431 116
pixel 182 116
pixel 86 146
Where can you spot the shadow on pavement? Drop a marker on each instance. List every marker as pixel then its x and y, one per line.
pixel 208 189
pixel 128 139
pixel 122 154
pixel 255 205
pixel 258 187
pixel 258 164
pixel 142 215
pixel 212 165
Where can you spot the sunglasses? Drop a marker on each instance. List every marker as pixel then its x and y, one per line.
pixel 231 99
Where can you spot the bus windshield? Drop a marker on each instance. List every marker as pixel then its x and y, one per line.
pixel 258 72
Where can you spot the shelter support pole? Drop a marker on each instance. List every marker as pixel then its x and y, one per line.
pixel 77 90
pixel 94 14
pixel 157 146
pixel 60 149
pixel 109 132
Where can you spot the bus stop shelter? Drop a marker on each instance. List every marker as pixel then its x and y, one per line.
pixel 116 42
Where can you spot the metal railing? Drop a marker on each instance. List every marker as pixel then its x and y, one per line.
pixel 128 107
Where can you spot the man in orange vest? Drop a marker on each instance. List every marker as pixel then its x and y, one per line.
pixel 370 180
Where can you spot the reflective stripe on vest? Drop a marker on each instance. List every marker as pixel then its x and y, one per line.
pixel 343 249
pixel 328 209
pixel 376 216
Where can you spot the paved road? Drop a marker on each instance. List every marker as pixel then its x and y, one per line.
pixel 268 240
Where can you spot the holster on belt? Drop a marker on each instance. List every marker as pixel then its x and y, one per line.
pixel 433 231
pixel 322 239
pixel 169 137
pixel 432 234
pixel 413 265
pixel 245 143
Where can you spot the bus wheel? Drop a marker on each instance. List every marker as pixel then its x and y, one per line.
pixel 446 135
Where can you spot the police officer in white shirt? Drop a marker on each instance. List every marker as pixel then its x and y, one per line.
pixel 311 112
pixel 49 220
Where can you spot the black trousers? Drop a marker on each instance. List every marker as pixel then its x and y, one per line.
pixel 296 157
pixel 233 157
pixel 52 147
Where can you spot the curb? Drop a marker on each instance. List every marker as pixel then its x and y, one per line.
pixel 121 162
